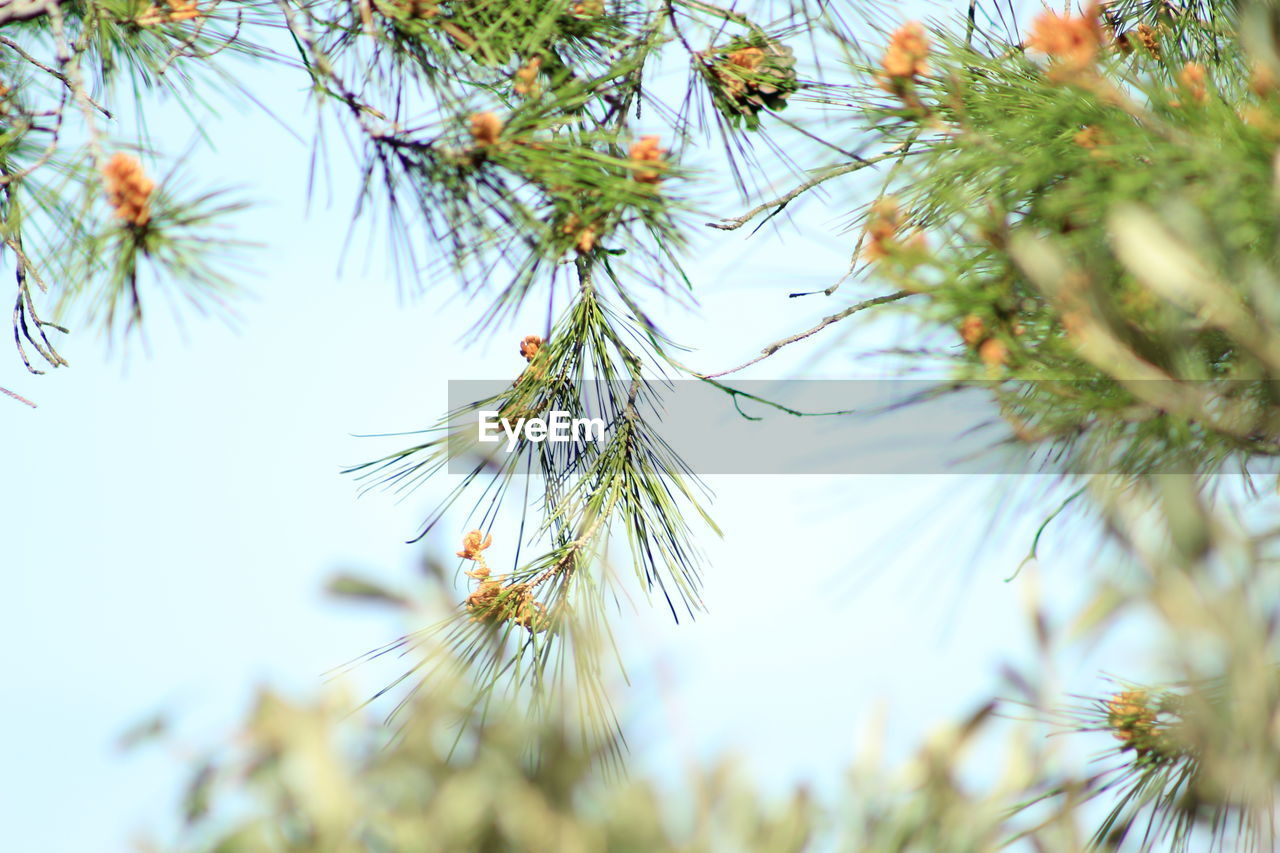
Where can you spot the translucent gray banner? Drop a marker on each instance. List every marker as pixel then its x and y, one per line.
pixel 834 427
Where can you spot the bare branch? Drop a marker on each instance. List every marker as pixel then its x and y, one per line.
pixel 17 48
pixel 826 321
pixel 18 397
pixel 782 201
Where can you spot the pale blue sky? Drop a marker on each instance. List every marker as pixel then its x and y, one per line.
pixel 172 512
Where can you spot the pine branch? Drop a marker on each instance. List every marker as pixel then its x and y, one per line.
pixel 777 205
pixel 12 11
pixel 826 321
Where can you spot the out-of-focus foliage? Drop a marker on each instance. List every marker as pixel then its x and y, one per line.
pixel 451 779
pixel 1097 219
pixel 1185 765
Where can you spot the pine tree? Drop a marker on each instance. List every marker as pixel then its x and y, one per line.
pixel 1079 209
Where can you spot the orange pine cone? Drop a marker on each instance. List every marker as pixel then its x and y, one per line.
pixel 647 150
pixel 128 189
pixel 473 543
pixel 485 128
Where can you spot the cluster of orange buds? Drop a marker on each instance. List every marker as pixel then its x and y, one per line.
pixel 491 601
pixel 882 228
pixel 992 351
pixel 588 8
pixel 1149 38
pixel 646 149
pixel 481 601
pixel 526 77
pixel 128 189
pixel 1089 137
pixel 1262 120
pixel 585 234
pixel 529 349
pixel 883 224
pixel 1133 721
pixel 907 52
pixel 973 330
pixel 1262 79
pixel 1094 140
pixel 174 12
pixel 1071 42
pixel 530 345
pixel 1192 78
pixel 905 61
pixel 485 128
pixel 473 546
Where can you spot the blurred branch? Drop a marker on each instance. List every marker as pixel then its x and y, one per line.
pixel 16 48
pixel 12 11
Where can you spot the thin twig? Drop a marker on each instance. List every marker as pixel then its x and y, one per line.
pixel 69 57
pixel 826 321
pixel 782 201
pixel 53 72
pixel 18 397
pixel 904 148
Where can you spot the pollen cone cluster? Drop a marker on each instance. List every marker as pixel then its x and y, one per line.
pixel 1132 719
pixel 1071 42
pixel 529 346
pixel 585 236
pixel 990 349
pixel 526 77
pixel 905 62
pixel 884 223
pixel 1192 77
pixel 492 601
pixel 173 11
pixel 485 128
pixel 1090 138
pixel 128 189
pixel 1149 37
pixel 647 150
pixel 882 228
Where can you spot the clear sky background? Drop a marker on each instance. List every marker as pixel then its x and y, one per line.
pixel 173 508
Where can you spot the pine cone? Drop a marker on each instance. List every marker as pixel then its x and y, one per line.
pixel 748 77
